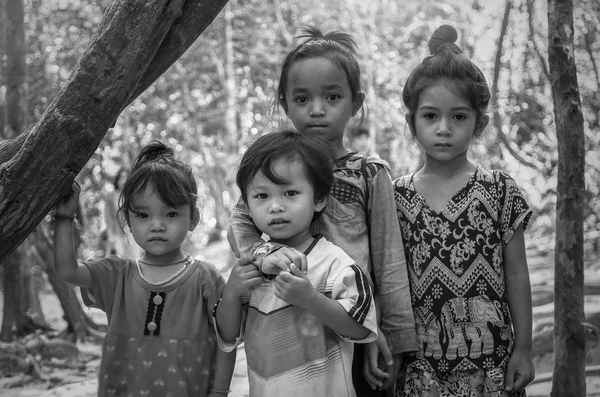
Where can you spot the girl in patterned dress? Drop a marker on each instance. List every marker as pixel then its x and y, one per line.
pixel 160 339
pixel 462 227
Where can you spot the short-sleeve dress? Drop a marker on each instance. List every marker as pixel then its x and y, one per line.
pixel 160 340
pixel 456 273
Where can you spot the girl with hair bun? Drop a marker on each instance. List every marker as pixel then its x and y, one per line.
pixel 160 339
pixel 463 232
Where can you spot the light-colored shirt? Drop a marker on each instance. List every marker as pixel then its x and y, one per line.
pixel 173 357
pixel 366 227
pixel 289 352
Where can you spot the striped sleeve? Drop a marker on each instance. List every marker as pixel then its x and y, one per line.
pixel 352 290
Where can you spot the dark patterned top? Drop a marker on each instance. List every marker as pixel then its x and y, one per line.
pixel 456 271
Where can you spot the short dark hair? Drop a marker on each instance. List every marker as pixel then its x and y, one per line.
pixel 172 179
pixel 316 155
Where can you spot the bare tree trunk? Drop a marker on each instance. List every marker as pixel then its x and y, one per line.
pixel 218 183
pixel 3 26
pixel 13 319
pixel 16 70
pixel 135 43
pixel 16 278
pixel 569 336
pixel 231 137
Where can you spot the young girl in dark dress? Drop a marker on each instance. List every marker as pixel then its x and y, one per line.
pixel 462 227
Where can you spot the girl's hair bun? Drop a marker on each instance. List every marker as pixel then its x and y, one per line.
pixel 445 34
pixel 154 151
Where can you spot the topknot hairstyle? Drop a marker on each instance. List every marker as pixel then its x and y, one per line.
pixel 338 47
pixel 445 35
pixel 446 62
pixel 171 179
pixel 315 154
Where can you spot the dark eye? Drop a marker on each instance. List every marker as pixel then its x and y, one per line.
pixel 172 214
pixel 301 99
pixel 333 97
pixel 429 116
pixel 292 193
pixel 260 196
pixel 141 215
pixel 460 117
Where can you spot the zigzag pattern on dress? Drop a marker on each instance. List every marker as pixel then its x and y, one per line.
pixel 411 208
pixel 459 285
pixel 455 208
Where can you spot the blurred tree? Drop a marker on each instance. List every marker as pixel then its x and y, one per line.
pixel 79 325
pixel 569 336
pixel 17 278
pixel 119 64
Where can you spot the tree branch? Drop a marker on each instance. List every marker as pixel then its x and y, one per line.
pixel 535 46
pixel 496 120
pixel 135 43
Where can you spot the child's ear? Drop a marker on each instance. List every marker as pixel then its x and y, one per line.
pixel 360 98
pixel 409 121
pixel 481 124
pixel 320 204
pixel 195 219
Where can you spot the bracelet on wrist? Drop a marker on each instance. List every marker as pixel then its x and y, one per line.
pixel 53 216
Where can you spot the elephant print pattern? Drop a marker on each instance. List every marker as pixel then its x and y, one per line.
pixel 466 319
pixel 456 271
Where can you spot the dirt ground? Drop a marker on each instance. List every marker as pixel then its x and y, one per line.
pixel 67 382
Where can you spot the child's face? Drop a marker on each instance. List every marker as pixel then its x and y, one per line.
pixel 445 123
pixel 319 99
pixel 284 212
pixel 158 228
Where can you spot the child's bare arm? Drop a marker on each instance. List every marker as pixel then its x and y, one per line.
pixel 224 365
pixel 65 259
pixel 295 288
pixel 244 276
pixel 520 369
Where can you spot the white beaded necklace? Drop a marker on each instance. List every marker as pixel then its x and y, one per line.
pixel 188 260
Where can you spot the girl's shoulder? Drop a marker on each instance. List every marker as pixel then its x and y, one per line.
pixel 207 273
pixel 368 166
pixel 494 177
pixel 113 262
pixel 402 182
pixel 206 268
pixel 358 160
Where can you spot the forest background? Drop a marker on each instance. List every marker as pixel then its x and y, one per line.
pixel 211 106
pixel 217 98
